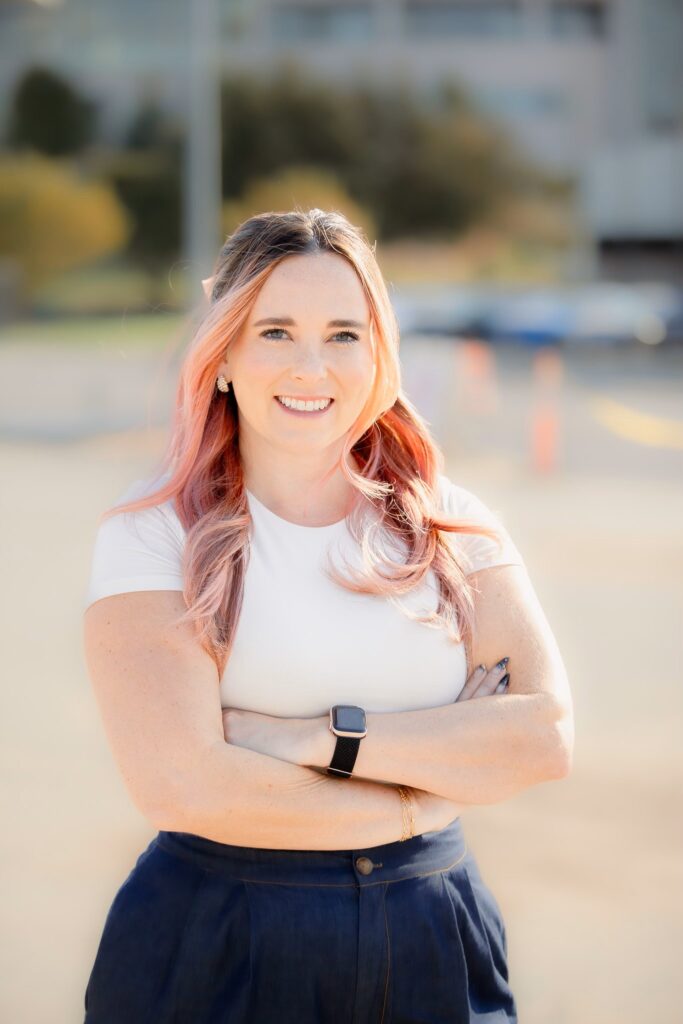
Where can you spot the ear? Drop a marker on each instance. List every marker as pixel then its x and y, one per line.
pixel 207 285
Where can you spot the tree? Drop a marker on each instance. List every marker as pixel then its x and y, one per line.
pixel 48 115
pixel 52 220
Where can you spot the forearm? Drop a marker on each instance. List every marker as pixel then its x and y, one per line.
pixel 475 752
pixel 245 798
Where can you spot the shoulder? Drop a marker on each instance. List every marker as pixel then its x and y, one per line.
pixel 474 550
pixel 459 501
pixel 139 549
pixel 162 514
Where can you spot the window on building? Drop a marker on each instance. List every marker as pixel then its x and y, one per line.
pixel 486 18
pixel 520 103
pixel 576 20
pixel 333 21
pixel 234 18
pixel 661 67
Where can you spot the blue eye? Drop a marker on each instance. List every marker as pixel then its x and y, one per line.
pixel 272 330
pixel 350 336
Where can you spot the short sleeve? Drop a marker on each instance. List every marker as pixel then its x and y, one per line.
pixel 476 551
pixel 138 550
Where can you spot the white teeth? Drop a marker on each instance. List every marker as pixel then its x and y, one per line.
pixel 292 403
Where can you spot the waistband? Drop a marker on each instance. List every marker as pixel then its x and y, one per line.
pixel 425 854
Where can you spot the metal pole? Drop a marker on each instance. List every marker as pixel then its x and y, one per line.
pixel 202 187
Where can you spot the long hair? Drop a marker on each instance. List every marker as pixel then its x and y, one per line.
pixel 398 460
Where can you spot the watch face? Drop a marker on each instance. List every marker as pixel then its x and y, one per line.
pixel 347 718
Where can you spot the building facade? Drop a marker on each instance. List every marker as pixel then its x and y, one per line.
pixel 593 87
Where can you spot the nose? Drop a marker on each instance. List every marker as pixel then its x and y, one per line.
pixel 309 365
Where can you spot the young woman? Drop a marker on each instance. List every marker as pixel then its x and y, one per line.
pixel 281 631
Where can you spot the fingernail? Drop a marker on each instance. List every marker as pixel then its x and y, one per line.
pixel 505 680
pixel 481 668
pixel 502 663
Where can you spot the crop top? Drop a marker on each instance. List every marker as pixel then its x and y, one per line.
pixel 302 642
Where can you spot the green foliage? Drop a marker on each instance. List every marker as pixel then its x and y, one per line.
pixel 147 177
pixel 151 127
pixel 424 166
pixel 300 186
pixel 148 183
pixel 270 124
pixel 48 115
pixel 404 163
pixel 52 219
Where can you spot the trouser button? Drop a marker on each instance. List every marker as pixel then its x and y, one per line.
pixel 364 865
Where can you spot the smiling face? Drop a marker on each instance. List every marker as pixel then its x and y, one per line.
pixel 307 337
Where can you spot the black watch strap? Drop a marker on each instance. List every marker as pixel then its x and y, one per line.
pixel 344 757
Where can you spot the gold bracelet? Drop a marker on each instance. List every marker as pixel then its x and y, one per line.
pixel 407 814
pixel 409 830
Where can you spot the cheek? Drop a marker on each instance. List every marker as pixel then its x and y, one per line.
pixel 257 371
pixel 259 363
pixel 359 374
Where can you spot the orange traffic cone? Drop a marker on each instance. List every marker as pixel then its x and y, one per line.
pixel 548 372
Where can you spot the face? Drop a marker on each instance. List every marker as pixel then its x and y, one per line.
pixel 290 347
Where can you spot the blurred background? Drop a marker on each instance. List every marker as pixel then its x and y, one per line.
pixel 519 166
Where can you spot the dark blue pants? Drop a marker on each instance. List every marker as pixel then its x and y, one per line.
pixel 205 933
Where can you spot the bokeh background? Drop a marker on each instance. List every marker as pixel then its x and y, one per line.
pixel 519 165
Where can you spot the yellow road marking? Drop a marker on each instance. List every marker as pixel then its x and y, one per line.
pixel 640 427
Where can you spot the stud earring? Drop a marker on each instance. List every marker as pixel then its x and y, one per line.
pixel 222 384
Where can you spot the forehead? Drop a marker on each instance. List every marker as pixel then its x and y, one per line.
pixel 314 285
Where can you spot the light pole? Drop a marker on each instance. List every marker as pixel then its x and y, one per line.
pixel 202 185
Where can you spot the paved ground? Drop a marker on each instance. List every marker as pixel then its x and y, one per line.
pixel 588 871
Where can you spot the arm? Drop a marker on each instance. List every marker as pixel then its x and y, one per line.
pixel 476 751
pixel 250 799
pixel 158 692
pixel 484 751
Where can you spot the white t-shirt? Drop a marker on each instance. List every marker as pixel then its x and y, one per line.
pixel 303 643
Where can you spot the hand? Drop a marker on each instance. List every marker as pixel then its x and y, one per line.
pixel 433 812
pixel 483 683
pixel 284 738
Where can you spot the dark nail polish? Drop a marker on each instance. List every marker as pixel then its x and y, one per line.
pixel 502 662
pixel 505 680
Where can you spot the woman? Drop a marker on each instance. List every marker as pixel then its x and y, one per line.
pixel 300 873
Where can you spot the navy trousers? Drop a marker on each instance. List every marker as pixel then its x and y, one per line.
pixel 206 933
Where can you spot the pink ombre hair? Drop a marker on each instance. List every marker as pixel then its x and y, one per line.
pixel 398 459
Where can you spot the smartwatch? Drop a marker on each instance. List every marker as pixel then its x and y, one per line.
pixel 347 722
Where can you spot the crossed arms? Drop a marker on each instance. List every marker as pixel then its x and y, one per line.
pixel 474 750
pixel 158 696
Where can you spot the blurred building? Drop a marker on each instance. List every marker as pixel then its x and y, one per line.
pixel 594 87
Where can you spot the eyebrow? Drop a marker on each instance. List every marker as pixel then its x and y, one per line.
pixel 287 320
